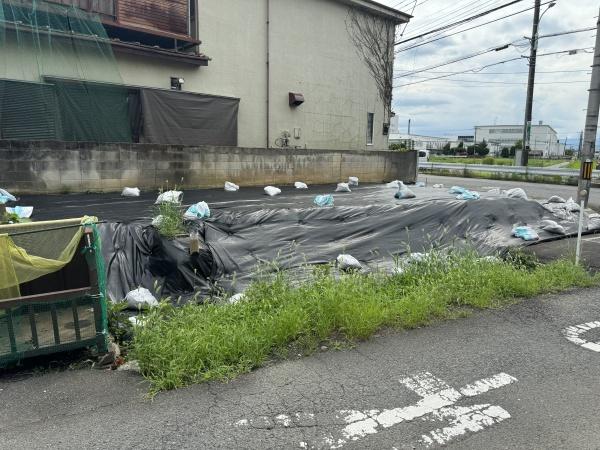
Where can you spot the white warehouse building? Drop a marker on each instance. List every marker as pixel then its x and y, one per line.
pixel 544 139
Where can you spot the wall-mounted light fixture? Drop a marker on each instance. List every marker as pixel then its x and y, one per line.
pixel 296 99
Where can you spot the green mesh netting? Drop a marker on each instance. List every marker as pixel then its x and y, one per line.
pixel 69 86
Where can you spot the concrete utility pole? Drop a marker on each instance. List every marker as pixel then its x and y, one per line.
pixel 591 126
pixel 522 156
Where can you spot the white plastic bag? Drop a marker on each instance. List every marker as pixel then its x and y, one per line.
pixel 157 221
pixel 494 191
pixel 420 184
pixel 593 222
pixel 170 197
pixel 23 212
pixel 272 191
pixel 140 298
pixel 343 187
pixel 438 186
pixel 348 262
pixel 353 181
pixel 552 227
pixel 198 211
pixel 300 185
pixel 516 193
pixel 130 192
pixel 237 298
pixel 397 184
pixel 404 193
pixel 231 187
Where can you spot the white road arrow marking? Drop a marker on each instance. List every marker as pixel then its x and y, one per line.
pixel 574 333
pixel 438 402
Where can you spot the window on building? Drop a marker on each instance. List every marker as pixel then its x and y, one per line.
pixel 370 124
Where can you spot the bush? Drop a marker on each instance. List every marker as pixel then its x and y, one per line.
pixel 489 161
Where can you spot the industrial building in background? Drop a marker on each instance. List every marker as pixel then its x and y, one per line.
pixel 250 73
pixel 544 140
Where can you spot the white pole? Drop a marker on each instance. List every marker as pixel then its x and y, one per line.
pixel 580 232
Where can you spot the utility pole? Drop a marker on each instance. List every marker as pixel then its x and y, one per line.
pixel 591 126
pixel 580 144
pixel 409 126
pixel 522 156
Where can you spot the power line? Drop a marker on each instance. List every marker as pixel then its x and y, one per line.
pixel 455 24
pixel 465 30
pixel 570 52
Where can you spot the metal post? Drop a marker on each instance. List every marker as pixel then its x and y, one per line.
pixel 591 125
pixel 522 156
pixel 580 232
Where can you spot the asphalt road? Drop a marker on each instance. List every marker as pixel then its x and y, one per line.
pixel 506 379
pixel 537 191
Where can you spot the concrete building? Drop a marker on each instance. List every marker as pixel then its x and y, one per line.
pixel 289 67
pixel 417 142
pixel 544 139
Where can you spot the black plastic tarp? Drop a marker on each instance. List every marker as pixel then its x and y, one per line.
pixel 372 226
pixel 183 118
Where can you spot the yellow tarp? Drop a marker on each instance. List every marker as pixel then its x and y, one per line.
pixel 18 266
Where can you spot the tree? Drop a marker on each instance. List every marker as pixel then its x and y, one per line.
pixel 374 39
pixel 471 150
pixel 569 152
pixel 447 149
pixel 505 153
pixel 519 145
pixel 482 148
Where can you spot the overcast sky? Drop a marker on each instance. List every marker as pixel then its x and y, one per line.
pixel 495 95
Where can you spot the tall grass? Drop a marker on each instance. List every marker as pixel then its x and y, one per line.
pixel 195 343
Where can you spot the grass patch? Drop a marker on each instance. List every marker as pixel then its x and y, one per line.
pixel 171 219
pixel 197 343
pixel 460 160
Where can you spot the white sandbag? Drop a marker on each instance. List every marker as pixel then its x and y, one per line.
pixel 556 199
pixel 397 184
pixel 552 227
pixel 272 191
pixel 237 298
pixel 343 187
pixel 140 298
pixel 348 262
pixel 516 193
pixel 494 191
pixel 6 196
pixel 157 221
pixel 22 212
pixel 420 184
pixel 353 181
pixel 404 193
pixel 231 187
pixel 300 185
pixel 130 192
pixel 572 206
pixel 438 186
pixel 170 197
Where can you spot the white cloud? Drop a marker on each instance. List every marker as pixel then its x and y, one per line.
pixel 453 107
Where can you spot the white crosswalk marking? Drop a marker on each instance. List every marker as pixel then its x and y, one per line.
pixel 574 333
pixel 437 403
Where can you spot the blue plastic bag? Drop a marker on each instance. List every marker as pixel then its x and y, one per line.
pixel 458 190
pixel 324 200
pixel 404 193
pixel 198 211
pixel 526 233
pixel 468 195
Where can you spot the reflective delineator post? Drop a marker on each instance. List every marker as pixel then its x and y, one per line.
pixel 580 230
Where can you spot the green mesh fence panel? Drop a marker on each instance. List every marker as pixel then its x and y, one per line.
pixel 75 91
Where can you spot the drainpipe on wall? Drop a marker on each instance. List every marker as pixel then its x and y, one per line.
pixel 268 73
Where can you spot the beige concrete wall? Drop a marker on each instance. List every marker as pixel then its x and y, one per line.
pixel 56 167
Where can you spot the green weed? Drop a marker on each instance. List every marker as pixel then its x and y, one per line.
pixel 217 341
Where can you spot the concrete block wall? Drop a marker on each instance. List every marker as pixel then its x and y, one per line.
pixel 57 167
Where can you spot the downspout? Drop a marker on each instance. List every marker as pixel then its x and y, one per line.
pixel 268 73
